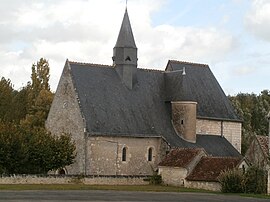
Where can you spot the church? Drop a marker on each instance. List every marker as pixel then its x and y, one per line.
pixel 124 119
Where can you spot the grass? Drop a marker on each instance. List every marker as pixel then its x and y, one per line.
pixel 147 188
pixel 153 188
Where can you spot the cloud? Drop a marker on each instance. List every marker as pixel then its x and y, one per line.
pixel 240 71
pixel 258 19
pixel 86 31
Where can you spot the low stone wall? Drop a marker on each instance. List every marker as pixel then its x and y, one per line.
pixel 88 180
pixel 212 186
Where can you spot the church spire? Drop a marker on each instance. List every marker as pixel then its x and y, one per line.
pixel 125 54
pixel 125 37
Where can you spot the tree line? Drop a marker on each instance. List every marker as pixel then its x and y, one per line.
pixel 253 110
pixel 25 145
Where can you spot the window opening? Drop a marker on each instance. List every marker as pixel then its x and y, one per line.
pixel 124 154
pixel 150 154
pixel 128 58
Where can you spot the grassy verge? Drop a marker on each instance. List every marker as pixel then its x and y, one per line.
pixel 153 188
pixel 147 188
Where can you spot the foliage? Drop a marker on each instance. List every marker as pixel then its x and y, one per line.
pixel 252 109
pixel 155 179
pixel 235 181
pixel 39 97
pixel 255 180
pixel 231 181
pixel 25 146
pixel 33 152
pixel 6 94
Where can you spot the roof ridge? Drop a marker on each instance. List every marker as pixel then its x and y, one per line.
pixel 90 64
pixel 222 157
pixel 189 63
pixel 150 70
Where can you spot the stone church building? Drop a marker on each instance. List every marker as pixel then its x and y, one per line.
pixel 125 119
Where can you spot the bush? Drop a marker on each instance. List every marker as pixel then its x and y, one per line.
pixel 255 181
pixel 155 179
pixel 231 181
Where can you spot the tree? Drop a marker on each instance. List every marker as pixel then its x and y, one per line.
pixel 39 95
pixel 34 151
pixel 6 95
pixel 255 180
pixel 252 109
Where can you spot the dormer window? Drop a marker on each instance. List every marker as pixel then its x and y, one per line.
pixel 128 59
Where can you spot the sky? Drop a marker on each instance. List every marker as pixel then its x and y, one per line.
pixel 231 36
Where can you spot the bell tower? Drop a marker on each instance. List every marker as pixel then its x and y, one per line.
pixel 125 54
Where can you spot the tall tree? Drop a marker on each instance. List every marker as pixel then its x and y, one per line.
pixel 253 110
pixel 6 95
pixel 40 97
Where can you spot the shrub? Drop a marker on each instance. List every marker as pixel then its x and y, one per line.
pixel 231 181
pixel 255 180
pixel 155 179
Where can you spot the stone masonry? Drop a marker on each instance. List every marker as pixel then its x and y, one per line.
pixel 230 130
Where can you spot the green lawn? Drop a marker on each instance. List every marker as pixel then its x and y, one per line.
pixel 152 188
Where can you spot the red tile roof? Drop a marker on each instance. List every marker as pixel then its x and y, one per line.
pixel 263 141
pixel 180 157
pixel 209 168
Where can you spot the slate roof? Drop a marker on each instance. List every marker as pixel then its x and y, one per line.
pixel 180 157
pixel 199 85
pixel 209 168
pixel 263 142
pixel 110 108
pixel 125 37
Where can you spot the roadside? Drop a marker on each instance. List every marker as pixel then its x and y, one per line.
pixel 142 188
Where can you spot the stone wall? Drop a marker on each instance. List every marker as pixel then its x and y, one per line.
pixel 173 176
pixel 230 130
pixel 101 161
pixel 212 186
pixel 88 180
pixel 65 117
pixel 184 119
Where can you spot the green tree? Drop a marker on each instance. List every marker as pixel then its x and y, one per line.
pixel 34 151
pixel 6 95
pixel 255 180
pixel 252 109
pixel 39 95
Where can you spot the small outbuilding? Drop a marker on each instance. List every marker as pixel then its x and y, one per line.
pixel 178 164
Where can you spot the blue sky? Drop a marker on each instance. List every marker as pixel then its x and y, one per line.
pixel 231 36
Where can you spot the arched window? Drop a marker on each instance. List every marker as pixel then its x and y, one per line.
pixel 150 154
pixel 124 154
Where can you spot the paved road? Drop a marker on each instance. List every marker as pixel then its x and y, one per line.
pixel 122 196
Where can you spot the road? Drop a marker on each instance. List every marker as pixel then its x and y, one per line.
pixel 92 195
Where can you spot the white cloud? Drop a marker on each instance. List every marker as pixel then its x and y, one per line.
pixel 258 19
pixel 86 30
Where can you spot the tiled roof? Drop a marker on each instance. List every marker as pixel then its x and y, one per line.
pixel 209 168
pixel 264 142
pixel 180 157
